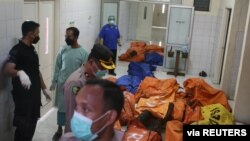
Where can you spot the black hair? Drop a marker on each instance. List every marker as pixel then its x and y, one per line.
pixel 100 52
pixel 29 26
pixel 112 94
pixel 76 32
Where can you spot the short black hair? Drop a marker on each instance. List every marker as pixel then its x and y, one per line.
pixel 76 32
pixel 100 52
pixel 112 94
pixel 29 26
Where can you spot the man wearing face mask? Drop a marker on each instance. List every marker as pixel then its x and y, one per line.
pixel 99 61
pixel 98 106
pixel 110 37
pixel 69 58
pixel 23 66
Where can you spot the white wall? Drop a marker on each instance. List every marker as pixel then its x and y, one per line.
pixel 234 48
pixel 241 109
pixel 124 20
pixel 85 15
pixel 133 10
pixel 214 5
pixel 204 38
pixel 10 31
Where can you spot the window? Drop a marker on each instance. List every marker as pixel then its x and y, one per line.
pixel 201 5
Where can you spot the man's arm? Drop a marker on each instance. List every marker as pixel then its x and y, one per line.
pixel 119 38
pixel 58 64
pixel 9 69
pixel 101 41
pixel 43 86
pixel 57 69
pixel 119 42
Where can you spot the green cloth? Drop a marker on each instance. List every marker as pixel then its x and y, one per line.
pixel 61 118
pixel 67 61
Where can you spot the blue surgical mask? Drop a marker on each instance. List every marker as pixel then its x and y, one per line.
pixel 101 73
pixel 81 126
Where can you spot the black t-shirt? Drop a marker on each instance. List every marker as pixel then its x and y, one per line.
pixel 27 102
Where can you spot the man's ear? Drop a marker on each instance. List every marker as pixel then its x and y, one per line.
pixel 30 33
pixel 112 117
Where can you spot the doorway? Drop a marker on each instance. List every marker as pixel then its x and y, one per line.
pixel 226 27
pixel 144 21
pixel 43 13
pixel 222 46
pixel 109 7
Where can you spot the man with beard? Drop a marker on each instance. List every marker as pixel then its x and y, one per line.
pixel 69 58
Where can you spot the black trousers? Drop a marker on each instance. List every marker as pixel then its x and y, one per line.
pixel 114 51
pixel 25 128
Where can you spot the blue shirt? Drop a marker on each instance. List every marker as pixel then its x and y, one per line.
pixel 110 35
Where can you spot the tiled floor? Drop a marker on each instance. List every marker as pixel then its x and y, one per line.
pixel 47 124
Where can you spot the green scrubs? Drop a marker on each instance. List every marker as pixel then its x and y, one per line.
pixel 67 61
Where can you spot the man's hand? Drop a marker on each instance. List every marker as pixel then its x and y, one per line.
pixel 24 78
pixel 119 44
pixel 53 86
pixel 46 94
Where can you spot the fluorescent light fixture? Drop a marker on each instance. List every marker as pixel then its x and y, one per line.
pixel 163 8
pixel 47 36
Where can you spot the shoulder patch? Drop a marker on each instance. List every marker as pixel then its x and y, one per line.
pixel 75 90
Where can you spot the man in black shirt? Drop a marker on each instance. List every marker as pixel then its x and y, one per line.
pixel 23 66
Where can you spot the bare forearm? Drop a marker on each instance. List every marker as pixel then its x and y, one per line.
pixel 43 86
pixel 119 41
pixel 10 70
pixel 101 41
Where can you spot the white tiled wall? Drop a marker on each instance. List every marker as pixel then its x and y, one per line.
pixel 215 51
pixel 10 31
pixel 236 64
pixel 86 17
pixel 133 10
pixel 123 20
pixel 203 41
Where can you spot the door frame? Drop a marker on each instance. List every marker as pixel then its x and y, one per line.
pixel 228 12
pixel 102 8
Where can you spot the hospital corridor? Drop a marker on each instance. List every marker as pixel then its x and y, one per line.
pixel 124 70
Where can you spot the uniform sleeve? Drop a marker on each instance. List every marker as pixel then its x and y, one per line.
pixel 58 65
pixel 70 91
pixel 13 56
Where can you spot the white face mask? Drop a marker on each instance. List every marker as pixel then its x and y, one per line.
pixel 112 22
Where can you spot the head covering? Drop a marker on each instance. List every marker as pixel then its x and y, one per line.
pixel 103 55
pixel 111 18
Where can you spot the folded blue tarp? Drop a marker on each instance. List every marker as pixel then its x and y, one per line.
pixel 153 58
pixel 131 83
pixel 141 70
